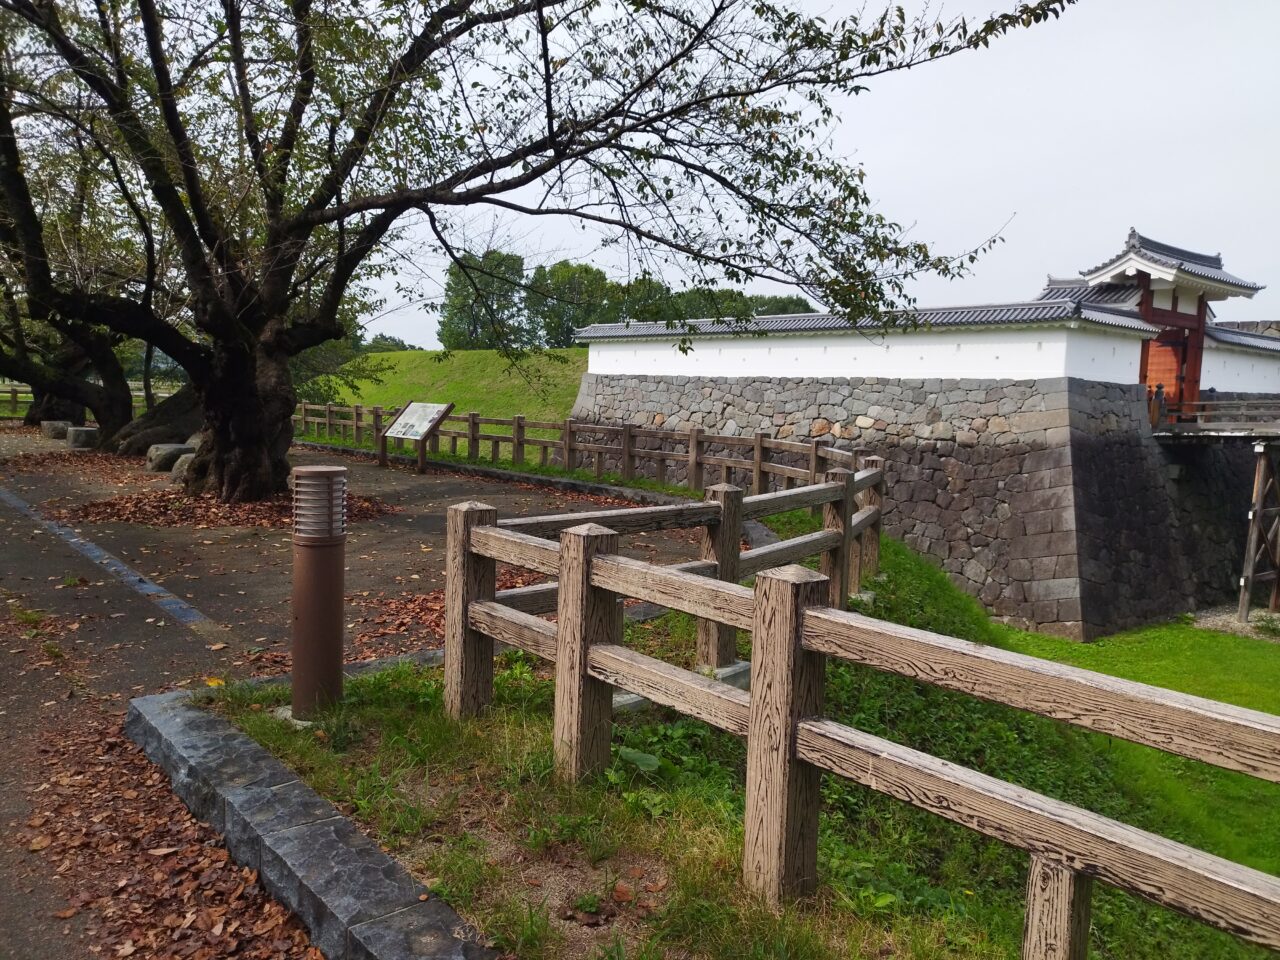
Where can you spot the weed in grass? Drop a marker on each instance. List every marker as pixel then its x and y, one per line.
pixel 523 929
pixel 28 618
pixel 587 903
pixel 617 949
pixel 1267 624
pixel 52 650
pixel 462 870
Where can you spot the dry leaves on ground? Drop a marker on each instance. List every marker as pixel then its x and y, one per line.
pixel 412 621
pixel 173 508
pixel 88 465
pixel 143 876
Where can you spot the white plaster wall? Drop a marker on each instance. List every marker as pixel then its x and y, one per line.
pixel 1006 354
pixel 1239 371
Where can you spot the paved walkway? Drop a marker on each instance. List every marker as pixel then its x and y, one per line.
pixel 125 644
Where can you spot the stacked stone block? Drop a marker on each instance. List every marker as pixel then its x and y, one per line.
pixel 1048 500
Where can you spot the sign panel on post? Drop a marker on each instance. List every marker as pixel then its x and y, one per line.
pixel 417 421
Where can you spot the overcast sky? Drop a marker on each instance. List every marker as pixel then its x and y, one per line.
pixel 1158 114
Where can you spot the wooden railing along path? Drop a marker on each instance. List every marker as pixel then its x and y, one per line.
pixel 789 742
pixel 568 443
pixel 15 397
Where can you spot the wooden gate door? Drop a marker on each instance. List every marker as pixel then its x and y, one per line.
pixel 1164 366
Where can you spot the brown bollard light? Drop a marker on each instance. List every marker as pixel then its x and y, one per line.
pixel 319 556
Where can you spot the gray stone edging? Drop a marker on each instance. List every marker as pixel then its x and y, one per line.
pixel 756 533
pixel 357 902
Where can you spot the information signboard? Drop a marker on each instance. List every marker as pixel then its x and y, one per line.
pixel 417 421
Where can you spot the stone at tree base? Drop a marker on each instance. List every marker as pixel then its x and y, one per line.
pixel 82 438
pixel 195 440
pixel 180 467
pixel 162 456
pixel 55 429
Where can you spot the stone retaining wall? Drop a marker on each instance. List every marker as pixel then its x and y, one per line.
pixel 1048 500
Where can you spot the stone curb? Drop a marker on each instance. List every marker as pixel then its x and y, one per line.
pixel 757 534
pixel 357 902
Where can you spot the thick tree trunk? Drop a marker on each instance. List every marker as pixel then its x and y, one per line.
pixel 172 421
pixel 46 406
pixel 248 401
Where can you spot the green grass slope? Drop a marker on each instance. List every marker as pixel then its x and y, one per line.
pixel 544 388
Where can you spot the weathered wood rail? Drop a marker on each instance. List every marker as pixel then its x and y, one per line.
pixel 16 397
pixel 1216 418
pixel 758 461
pixel 789 742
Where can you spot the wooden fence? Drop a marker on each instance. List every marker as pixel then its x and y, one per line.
pixel 790 744
pixel 759 461
pixel 16 397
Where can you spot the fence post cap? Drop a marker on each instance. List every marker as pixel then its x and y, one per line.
pixel 587 530
pixel 792 573
pixel 723 488
pixel 839 472
pixel 469 506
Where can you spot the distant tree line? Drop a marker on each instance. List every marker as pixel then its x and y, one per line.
pixel 492 301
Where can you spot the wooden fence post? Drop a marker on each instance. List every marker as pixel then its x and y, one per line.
pixel 585 615
pixel 780 857
pixel 628 453
pixel 468 654
pixel 567 444
pixel 379 437
pixel 721 542
pixel 517 439
pixel 841 564
pixel 695 461
pixel 1057 921
pixel 328 420
pixel 357 413
pixel 872 497
pixel 759 479
pixel 13 399
pixel 473 436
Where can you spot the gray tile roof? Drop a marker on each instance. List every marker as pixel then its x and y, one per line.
pixel 1077 288
pixel 992 314
pixel 1205 265
pixel 1238 338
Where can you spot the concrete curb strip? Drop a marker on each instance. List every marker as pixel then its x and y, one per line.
pixel 357 902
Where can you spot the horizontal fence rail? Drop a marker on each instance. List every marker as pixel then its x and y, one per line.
pixel 16 397
pixel 760 461
pixel 789 742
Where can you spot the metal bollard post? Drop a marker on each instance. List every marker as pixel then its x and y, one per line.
pixel 319 555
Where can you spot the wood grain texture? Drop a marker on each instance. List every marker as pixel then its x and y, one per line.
pixel 1057 920
pixel 587 615
pixel 514 628
pixel 780 855
pixel 469 577
pixel 517 549
pixel 867 476
pixel 694 479
pixel 627 520
pixel 541 597
pixel 687 592
pixel 1220 734
pixel 1226 895
pixel 841 563
pixel 721 542
pixel 786 551
pixel 872 498
pixel 780 501
pixel 692 694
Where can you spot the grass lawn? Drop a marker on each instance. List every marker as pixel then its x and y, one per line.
pixel 480 380
pixel 644 862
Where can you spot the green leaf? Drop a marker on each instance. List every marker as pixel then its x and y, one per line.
pixel 640 760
